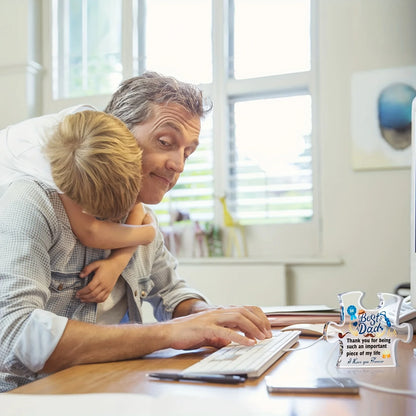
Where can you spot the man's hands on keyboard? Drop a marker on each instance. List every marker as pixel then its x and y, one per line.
pixel 249 361
pixel 218 327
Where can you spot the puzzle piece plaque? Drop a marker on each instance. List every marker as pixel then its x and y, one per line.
pixel 368 337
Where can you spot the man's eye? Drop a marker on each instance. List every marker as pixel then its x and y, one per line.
pixel 164 142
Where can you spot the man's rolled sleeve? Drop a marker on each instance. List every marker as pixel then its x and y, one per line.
pixel 37 341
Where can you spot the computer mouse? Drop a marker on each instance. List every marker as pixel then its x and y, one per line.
pixel 307 329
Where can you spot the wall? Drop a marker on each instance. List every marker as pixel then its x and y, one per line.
pixel 365 215
pixel 20 69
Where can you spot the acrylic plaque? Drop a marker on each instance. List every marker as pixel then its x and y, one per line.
pixel 368 337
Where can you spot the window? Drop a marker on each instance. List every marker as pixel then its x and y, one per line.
pixel 86 47
pixel 278 41
pixel 179 31
pixel 270 164
pixel 254 59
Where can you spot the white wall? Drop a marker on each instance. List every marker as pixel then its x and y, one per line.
pixel 365 214
pixel 20 69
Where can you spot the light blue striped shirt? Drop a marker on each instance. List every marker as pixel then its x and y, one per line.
pixel 40 260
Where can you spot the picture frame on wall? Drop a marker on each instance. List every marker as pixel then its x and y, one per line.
pixel 381 102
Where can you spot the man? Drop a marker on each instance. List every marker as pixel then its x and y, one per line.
pixel 44 327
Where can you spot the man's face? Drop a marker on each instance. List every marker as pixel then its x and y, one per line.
pixel 167 139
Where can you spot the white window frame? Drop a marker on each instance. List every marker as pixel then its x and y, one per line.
pixel 268 241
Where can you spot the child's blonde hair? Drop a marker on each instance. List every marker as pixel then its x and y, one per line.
pixel 96 161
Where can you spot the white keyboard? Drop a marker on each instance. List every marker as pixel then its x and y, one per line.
pixel 252 361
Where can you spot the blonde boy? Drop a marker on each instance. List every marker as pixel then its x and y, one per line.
pixel 96 165
pixel 94 162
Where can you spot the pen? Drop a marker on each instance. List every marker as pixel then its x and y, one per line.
pixel 210 378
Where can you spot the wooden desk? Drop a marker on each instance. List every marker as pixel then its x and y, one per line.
pixel 130 377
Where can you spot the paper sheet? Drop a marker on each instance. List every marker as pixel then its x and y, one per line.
pixel 129 404
pixel 271 310
pixel 75 404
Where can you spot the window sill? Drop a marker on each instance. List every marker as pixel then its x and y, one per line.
pixel 301 261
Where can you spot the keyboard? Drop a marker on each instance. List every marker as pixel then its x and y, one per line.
pixel 250 361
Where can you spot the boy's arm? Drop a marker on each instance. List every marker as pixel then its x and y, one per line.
pixel 139 228
pixel 107 271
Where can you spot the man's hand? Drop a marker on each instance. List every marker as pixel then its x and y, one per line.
pixel 83 343
pixel 218 327
pixel 106 273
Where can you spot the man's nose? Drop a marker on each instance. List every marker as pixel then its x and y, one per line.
pixel 176 162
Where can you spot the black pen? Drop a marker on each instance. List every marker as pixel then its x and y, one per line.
pixel 209 378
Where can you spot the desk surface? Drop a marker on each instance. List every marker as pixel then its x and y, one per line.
pixel 130 377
